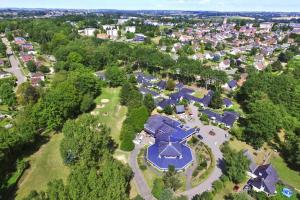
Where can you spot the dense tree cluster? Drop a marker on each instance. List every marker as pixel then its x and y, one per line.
pixel 95 174
pixel 272 102
pixel 236 164
pixel 137 115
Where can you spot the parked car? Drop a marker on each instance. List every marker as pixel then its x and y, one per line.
pixel 200 137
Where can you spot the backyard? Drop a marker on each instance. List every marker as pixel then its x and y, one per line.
pixel 45 165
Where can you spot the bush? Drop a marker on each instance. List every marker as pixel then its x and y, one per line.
pixel 168 110
pixel 158 187
pixel 44 69
pixel 217 186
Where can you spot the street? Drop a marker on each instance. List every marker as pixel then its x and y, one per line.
pixel 15 65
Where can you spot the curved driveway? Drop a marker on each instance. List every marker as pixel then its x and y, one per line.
pixel 213 142
pixel 141 184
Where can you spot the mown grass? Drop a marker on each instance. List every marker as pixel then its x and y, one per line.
pixel 287 175
pixel 45 165
pixel 111 113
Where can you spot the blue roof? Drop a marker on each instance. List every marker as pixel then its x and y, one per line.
pixel 227 102
pixel 147 91
pixel 166 129
pixel 168 148
pixel 161 85
pixel 187 91
pixel 232 83
pixel 177 155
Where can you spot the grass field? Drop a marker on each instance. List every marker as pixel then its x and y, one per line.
pixel 258 155
pixel 45 165
pixel 287 175
pixel 110 112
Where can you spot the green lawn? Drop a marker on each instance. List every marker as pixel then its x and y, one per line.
pixel 45 165
pixel 287 175
pixel 110 112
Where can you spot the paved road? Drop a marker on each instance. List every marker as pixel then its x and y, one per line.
pixel 15 65
pixel 142 186
pixel 212 142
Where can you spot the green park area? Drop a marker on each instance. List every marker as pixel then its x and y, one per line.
pixel 45 165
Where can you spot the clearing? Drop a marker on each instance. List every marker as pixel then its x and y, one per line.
pixel 45 165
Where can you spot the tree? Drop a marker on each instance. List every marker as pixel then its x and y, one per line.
pixel 129 35
pixel 44 69
pixel 7 94
pixel 168 110
pixel 277 66
pixel 236 164
pixel 170 85
pixel 158 187
pixel 216 101
pixel 114 76
pixel 204 196
pixel 27 94
pixel 282 57
pixel 31 66
pixel 170 179
pixel 149 102
pixel 87 103
pixel 167 194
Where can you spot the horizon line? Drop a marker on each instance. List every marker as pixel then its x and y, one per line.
pixel 32 8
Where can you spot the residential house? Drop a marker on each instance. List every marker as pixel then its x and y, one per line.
pixel 225 64
pixel 264 179
pixel 231 85
pixel 26 58
pixel 37 78
pixel 20 40
pixel 227 119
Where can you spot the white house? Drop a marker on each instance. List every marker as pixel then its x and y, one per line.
pixel 130 29
pixel 89 31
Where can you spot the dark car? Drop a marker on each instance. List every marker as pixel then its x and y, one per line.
pixel 200 137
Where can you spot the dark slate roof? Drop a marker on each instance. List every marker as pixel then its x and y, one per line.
pixel 147 91
pixel 187 91
pixel 179 86
pixel 180 109
pixel 232 83
pixel 227 102
pixel 166 129
pixel 161 85
pixel 252 165
pixel 166 102
pixel 228 118
pixel 266 176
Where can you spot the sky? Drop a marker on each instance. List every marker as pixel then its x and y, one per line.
pixel 196 5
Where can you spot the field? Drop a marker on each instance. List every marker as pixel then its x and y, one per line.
pixel 110 112
pixel 287 175
pixel 258 155
pixel 45 165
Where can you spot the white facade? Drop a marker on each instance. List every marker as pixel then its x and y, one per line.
pixel 130 29
pixel 89 31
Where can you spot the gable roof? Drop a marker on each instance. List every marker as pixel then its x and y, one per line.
pixel 267 177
